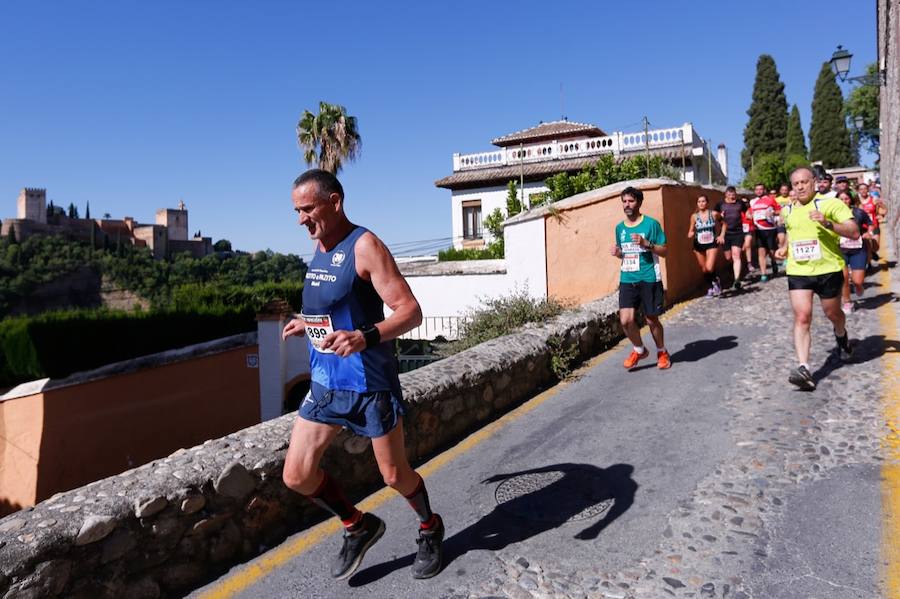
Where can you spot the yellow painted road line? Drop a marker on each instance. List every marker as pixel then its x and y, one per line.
pixel 247 575
pixel 890 469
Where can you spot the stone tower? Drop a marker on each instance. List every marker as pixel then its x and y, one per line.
pixel 175 221
pixel 32 205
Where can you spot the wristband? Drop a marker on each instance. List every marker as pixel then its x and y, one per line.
pixel 372 336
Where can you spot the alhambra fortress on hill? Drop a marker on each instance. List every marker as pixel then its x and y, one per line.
pixel 166 237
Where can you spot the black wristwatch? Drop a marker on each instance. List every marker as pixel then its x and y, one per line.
pixel 372 336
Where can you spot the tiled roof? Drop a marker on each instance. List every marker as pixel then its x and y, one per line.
pixel 547 131
pixel 533 171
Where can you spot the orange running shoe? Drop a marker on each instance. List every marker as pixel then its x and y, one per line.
pixel 634 357
pixel 662 360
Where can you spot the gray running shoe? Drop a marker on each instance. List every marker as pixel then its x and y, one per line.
pixel 801 377
pixel 430 556
pixel 356 544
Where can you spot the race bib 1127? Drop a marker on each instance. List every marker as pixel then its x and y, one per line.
pixel 806 250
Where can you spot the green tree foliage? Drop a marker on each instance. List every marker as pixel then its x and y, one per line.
pixel 772 170
pixel 766 131
pixel 796 141
pixel 223 245
pixel 865 101
pixel 829 140
pixel 73 211
pixel 606 171
pixel 41 259
pixel 513 203
pixel 87 210
pixel 329 138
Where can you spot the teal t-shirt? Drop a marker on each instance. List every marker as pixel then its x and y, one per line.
pixel 639 265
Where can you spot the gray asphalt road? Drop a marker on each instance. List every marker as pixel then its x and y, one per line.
pixel 697 481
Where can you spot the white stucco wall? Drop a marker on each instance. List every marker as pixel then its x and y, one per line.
pixel 454 295
pixel 526 256
pixel 280 361
pixel 491 198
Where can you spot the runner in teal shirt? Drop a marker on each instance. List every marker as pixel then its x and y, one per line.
pixel 640 243
pixel 639 264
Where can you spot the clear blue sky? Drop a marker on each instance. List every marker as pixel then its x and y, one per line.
pixel 132 105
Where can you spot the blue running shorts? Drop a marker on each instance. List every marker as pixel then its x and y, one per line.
pixel 373 414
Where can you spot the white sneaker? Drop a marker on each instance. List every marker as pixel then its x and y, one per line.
pixel 847 307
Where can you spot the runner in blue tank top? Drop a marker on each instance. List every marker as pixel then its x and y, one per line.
pixel 354 372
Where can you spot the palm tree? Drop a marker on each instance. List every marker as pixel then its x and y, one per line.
pixel 328 138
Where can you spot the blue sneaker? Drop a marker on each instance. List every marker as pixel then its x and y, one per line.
pixel 764 278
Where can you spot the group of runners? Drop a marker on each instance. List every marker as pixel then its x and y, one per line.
pixel 824 238
pixel 352 275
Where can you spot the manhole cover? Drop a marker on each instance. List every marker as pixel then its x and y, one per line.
pixel 562 495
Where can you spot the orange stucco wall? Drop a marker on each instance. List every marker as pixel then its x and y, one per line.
pixel 96 429
pixel 579 265
pixel 20 447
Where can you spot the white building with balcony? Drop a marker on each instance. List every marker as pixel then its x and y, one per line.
pixel 478 183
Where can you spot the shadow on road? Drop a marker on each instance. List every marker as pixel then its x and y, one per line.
pixel 569 491
pixel 876 301
pixel 704 348
pixel 864 350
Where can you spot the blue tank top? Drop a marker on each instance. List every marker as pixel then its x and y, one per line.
pixel 701 225
pixel 333 288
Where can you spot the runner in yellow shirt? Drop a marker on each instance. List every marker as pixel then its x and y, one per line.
pixel 815 266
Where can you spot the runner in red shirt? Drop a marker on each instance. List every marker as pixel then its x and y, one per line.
pixel 749 230
pixel 870 205
pixel 762 212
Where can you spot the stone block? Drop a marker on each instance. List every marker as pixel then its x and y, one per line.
pixel 95 528
pixel 235 481
pixel 144 508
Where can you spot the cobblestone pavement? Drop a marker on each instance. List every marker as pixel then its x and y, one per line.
pixel 719 541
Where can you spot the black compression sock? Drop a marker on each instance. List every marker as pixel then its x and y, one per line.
pixel 418 501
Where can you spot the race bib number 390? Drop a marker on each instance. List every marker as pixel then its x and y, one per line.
pixel 806 250
pixel 317 328
pixel 705 237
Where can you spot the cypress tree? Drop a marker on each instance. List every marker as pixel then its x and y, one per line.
pixel 796 143
pixel 829 140
pixel 87 211
pixel 766 131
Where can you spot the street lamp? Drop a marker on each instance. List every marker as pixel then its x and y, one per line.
pixel 858 122
pixel 840 62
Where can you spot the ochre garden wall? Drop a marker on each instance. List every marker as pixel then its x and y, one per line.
pixel 66 437
pixel 579 265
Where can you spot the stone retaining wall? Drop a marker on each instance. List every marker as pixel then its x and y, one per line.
pixel 170 525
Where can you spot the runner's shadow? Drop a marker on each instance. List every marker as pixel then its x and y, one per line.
pixel 538 500
pixel 697 350
pixel 864 350
pixel 876 301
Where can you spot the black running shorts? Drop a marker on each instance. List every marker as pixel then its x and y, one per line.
pixel 825 286
pixel 650 297
pixel 767 238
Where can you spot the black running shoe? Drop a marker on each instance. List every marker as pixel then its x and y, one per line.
pixel 844 351
pixel 801 377
pixel 430 556
pixel 737 285
pixel 356 544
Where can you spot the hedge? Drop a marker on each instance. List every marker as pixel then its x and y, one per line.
pixel 57 344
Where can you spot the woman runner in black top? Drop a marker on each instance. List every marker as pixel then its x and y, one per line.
pixel 732 234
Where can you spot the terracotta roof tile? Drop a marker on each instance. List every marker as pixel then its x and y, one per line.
pixel 548 131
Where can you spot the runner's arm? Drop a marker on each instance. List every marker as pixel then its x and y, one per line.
pixel 691 228
pixel 848 229
pixel 375 263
